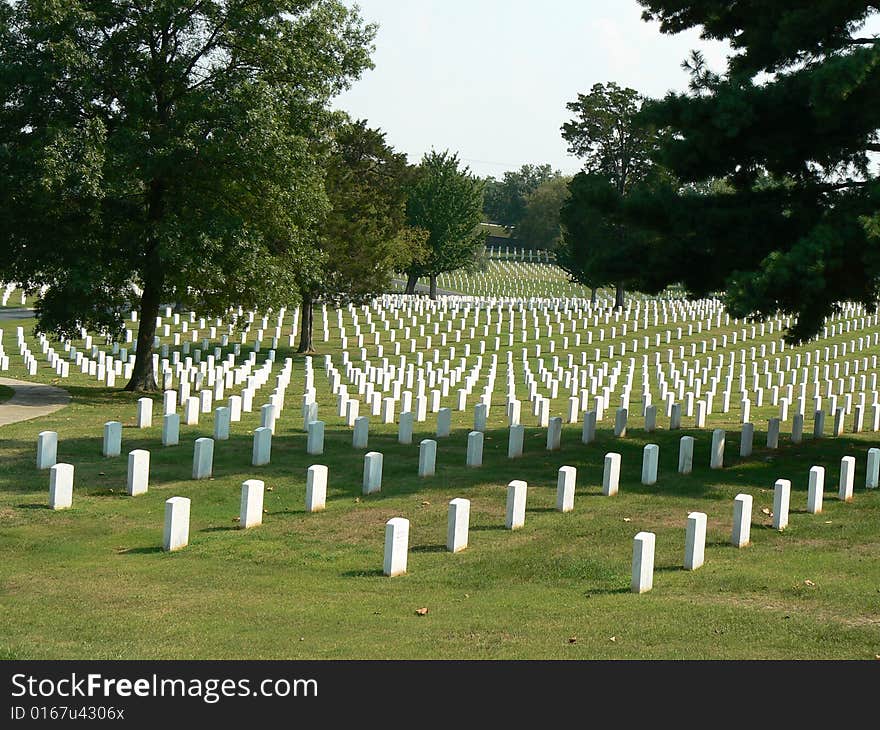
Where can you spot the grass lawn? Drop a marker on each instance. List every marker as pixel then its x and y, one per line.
pixel 93 582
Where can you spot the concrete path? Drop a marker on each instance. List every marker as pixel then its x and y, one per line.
pixel 425 289
pixel 31 400
pixel 16 313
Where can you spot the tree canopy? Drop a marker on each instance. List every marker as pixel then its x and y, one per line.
pixel 505 200
pixel 540 226
pixel 171 145
pixel 607 135
pixel 364 237
pixel 788 125
pixel 599 245
pixel 445 200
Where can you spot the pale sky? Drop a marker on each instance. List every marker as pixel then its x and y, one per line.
pixel 489 79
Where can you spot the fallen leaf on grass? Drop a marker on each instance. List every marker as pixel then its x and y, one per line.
pixel 627 519
pixel 572 639
pixel 426 503
pixel 613 638
pixel 421 611
pixel 809 583
pixel 766 511
pixel 827 522
pixel 270 489
pixel 236 519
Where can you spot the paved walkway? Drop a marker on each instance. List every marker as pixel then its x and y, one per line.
pixel 31 400
pixel 16 313
pixel 425 289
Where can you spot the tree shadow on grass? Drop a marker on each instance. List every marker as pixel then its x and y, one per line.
pixel 428 549
pixel 33 506
pixel 540 509
pixel 225 528
pixel 606 591
pixel 484 528
pixel 375 572
pixel 141 550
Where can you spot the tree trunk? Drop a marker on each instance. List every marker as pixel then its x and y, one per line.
pixel 593 295
pixel 433 286
pixel 411 280
pixel 618 297
pixel 143 379
pixel 305 327
pixel 142 376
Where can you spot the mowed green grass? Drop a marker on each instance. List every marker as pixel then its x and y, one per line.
pixel 93 582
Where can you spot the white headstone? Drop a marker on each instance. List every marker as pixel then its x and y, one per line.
pixel 171 429
pixel 361 432
pixel 746 439
pixel 742 520
pixel 611 474
pixel 620 422
pixel 815 491
pixel 144 412
pixel 873 472
pixel 781 499
pixel 565 486
pixel 554 434
pixel 405 428
pixel 516 504
pixel 316 488
pixel 686 455
pixel 176 524
pixel 60 486
pixel 251 513
pixel 315 439
pixel 650 463
pixel 221 423
pixel 138 472
pixel 112 445
pixel 373 473
pixel 457 525
pixel 47 449
pixel 396 546
pixel 475 449
pixel 427 458
pixel 643 562
pixel 262 448
pixel 847 478
pixel 695 541
pixel 716 460
pixel 203 458
pixel 444 422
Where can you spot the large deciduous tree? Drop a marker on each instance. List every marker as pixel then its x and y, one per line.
pixel 165 151
pixel 788 125
pixel 505 200
pixel 616 146
pixel 540 226
pixel 445 200
pixel 364 238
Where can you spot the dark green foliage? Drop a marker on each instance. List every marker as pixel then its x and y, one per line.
pixel 364 237
pixel 607 135
pixel 165 152
pixel 600 246
pixel 540 226
pixel 447 202
pixel 506 200
pixel 792 230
